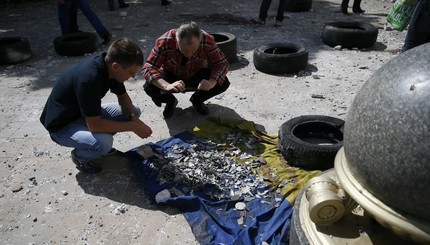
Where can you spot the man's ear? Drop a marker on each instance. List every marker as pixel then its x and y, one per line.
pixel 115 66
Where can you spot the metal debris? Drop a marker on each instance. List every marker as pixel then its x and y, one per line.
pixel 221 168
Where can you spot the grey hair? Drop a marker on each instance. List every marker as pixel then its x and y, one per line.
pixel 187 31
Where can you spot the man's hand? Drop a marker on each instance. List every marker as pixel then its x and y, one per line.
pixel 206 85
pixel 178 86
pixel 141 129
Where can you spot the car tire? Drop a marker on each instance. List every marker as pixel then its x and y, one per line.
pixel 298 5
pixel 280 58
pixel 227 43
pixel 349 34
pixel 14 50
pixel 311 142
pixel 76 44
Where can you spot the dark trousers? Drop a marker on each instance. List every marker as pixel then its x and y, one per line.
pixel 356 4
pixel 264 8
pixel 158 95
pixel 419 31
pixel 68 11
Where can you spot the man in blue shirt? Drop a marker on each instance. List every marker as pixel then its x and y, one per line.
pixel 74 114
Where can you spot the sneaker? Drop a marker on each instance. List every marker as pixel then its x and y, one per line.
pixel 258 21
pixel 201 107
pixel 343 10
pixel 358 10
pixel 107 38
pixel 86 167
pixel 278 23
pixel 170 109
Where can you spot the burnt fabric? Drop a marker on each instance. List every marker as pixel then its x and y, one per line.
pixel 266 218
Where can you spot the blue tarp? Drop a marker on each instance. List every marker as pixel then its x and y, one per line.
pixel 216 222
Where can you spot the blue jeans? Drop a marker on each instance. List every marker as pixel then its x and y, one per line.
pixel 67 12
pixel 419 31
pixel 88 145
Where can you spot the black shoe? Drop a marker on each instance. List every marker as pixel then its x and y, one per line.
pixel 358 10
pixel 107 38
pixel 165 3
pixel 123 6
pixel 86 167
pixel 201 108
pixel 156 102
pixel 344 10
pixel 170 109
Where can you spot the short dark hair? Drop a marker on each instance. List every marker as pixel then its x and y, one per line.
pixel 124 52
pixel 187 31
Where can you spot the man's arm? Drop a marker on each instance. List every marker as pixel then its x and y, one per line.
pixel 97 124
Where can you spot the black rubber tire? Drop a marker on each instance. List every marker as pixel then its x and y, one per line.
pixel 227 43
pixel 76 44
pixel 311 142
pixel 14 50
pixel 298 5
pixel 280 58
pixel 297 235
pixel 349 34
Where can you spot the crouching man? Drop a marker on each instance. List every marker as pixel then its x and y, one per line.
pixel 74 114
pixel 185 59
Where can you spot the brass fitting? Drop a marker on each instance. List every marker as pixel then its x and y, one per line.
pixel 328 202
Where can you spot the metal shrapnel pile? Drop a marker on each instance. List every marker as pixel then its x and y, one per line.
pixel 220 170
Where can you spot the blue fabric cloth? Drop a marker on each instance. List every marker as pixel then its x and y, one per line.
pixel 216 222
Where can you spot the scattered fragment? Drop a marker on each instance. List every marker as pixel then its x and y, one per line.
pixel 65 193
pixel 317 96
pixel 120 209
pixel 240 206
pixel 162 196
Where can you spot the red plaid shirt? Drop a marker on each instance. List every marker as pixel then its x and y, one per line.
pixel 166 56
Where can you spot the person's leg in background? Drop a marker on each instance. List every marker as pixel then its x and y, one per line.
pixel 418 30
pixel 262 16
pixel 65 15
pixel 280 13
pixel 95 21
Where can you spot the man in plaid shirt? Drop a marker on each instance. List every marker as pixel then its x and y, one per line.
pixel 185 59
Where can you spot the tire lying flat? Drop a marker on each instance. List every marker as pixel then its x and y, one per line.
pixel 280 58
pixel 76 44
pixel 227 43
pixel 311 142
pixel 14 50
pixel 349 34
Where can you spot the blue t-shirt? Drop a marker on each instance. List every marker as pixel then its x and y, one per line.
pixel 78 93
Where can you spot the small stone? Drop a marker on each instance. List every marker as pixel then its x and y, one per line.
pixel 16 188
pixel 123 14
pixel 65 193
pixel 338 47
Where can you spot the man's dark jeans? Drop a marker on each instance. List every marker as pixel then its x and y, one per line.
pixel 198 97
